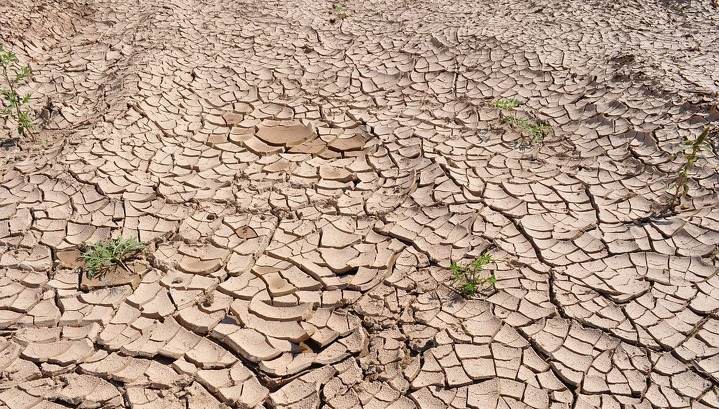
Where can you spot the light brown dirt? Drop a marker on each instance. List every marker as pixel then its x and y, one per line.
pixel 303 178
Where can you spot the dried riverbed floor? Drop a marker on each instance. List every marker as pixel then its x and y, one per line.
pixel 304 174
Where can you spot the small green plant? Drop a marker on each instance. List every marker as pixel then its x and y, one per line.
pixel 533 132
pixel 468 279
pixel 506 104
pixel 14 77
pixel 691 152
pixel 106 255
pixel 341 11
pixel 43 143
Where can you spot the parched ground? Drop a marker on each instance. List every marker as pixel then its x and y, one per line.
pixel 303 176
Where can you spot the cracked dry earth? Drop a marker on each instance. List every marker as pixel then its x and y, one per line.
pixel 303 179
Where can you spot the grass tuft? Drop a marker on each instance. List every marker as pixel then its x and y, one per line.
pixel 106 255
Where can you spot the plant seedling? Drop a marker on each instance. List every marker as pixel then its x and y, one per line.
pixel 506 104
pixel 43 143
pixel 106 255
pixel 533 133
pixel 691 152
pixel 341 11
pixel 14 77
pixel 468 278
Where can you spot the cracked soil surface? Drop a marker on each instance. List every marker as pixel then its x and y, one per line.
pixel 303 175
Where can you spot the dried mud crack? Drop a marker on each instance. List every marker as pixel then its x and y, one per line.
pixel 303 174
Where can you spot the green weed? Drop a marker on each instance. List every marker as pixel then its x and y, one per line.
pixel 106 255
pixel 691 152
pixel 506 104
pixel 43 143
pixel 341 11
pixel 14 77
pixel 533 133
pixel 468 279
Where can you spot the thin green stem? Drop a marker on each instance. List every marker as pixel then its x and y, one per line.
pixel 681 184
pixel 16 100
